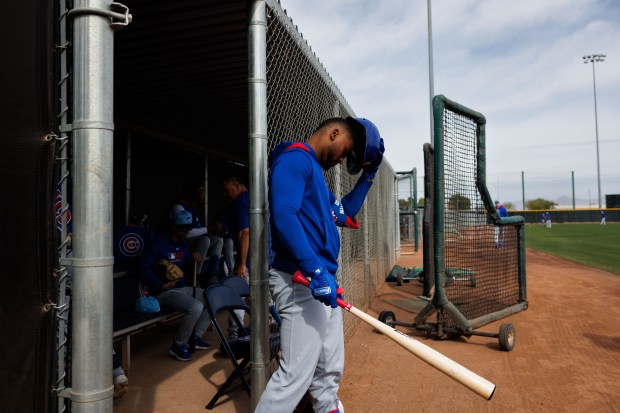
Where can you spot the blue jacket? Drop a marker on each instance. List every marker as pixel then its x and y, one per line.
pixel 303 234
pixel 501 210
pixel 239 219
pixel 163 247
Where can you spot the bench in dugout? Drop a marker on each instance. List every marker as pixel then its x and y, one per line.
pixel 473 259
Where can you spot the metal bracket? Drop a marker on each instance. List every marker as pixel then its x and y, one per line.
pixel 86 124
pixel 93 396
pixel 118 14
pixel 88 262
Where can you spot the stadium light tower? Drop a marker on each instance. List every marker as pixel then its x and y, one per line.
pixel 431 81
pixel 593 59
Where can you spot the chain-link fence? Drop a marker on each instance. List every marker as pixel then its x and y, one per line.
pixel 409 218
pixel 300 94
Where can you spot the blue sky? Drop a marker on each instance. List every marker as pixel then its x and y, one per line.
pixel 518 63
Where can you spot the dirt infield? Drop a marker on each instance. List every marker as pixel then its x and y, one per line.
pixel 566 357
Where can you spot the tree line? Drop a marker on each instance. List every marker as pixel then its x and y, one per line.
pixel 463 203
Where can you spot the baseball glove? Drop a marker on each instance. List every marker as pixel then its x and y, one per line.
pixel 167 271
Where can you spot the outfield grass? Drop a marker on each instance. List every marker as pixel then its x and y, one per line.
pixel 589 244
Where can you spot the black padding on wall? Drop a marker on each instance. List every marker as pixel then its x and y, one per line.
pixel 27 118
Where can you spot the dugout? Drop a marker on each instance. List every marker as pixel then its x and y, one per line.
pixel 118 113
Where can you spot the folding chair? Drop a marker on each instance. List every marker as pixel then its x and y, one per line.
pixel 220 298
pixel 243 288
pixel 238 284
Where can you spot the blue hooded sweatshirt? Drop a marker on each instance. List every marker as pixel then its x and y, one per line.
pixel 304 236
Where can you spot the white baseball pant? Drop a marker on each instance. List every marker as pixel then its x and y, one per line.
pixel 312 341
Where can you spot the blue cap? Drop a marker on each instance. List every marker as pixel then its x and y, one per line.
pixel 182 218
pixel 367 147
pixel 148 305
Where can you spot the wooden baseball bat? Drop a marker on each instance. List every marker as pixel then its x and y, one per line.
pixel 449 367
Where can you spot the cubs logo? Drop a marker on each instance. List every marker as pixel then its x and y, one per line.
pixel 58 211
pixel 131 244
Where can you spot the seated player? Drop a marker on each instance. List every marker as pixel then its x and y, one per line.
pixel 198 239
pixel 177 295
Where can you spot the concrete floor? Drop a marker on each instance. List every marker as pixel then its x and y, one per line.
pixel 160 383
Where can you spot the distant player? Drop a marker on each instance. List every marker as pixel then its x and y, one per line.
pixel 603 218
pixel 498 231
pixel 548 219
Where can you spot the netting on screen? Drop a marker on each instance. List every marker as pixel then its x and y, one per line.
pixel 300 94
pixel 479 257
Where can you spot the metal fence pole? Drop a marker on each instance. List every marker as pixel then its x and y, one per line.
pixel 366 242
pixel 431 82
pixel 338 194
pixel 93 53
pixel 523 189
pixel 257 134
pixel 397 219
pixel 416 228
pixel 410 209
pixel 572 176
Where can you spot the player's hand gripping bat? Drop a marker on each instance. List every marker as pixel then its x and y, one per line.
pixel 449 367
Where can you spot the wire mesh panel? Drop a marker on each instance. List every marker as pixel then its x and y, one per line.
pixel 479 256
pixel 300 95
pixel 407 198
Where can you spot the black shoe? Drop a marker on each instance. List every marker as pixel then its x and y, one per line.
pixel 180 352
pixel 201 344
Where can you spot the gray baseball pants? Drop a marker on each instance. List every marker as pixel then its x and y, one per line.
pixel 312 341
pixel 181 299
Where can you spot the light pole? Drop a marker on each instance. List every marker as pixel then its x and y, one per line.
pixel 593 59
pixel 431 81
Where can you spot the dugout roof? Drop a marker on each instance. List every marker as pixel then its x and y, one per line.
pixel 181 72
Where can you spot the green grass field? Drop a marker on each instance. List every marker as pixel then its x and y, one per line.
pixel 589 244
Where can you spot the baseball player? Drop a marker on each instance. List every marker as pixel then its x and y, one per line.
pixel 548 219
pixel 498 231
pixel 603 218
pixel 220 226
pixel 239 221
pixel 199 239
pixel 176 294
pixel 304 214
